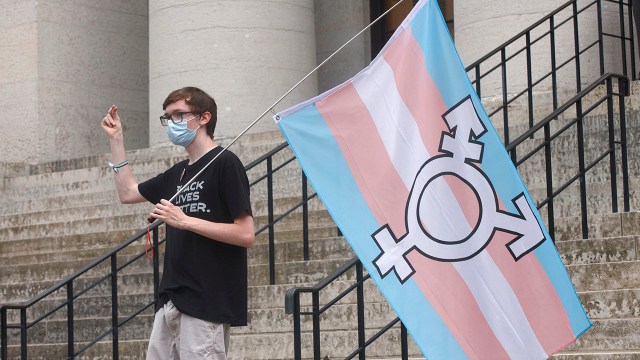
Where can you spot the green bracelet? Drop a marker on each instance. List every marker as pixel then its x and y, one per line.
pixel 118 165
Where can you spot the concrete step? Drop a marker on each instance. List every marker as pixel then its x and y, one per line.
pixel 606 276
pixel 129 283
pixel 599 226
pixel 52 256
pixel 598 199
pixel 87 329
pixel 101 190
pixel 601 250
pixel 267 322
pixel 317 217
pixel 295 272
pixel 248 148
pixel 335 344
pixel 282 204
pixel 49 216
pixel 593 122
pixel 33 205
pixel 595 136
pixel 326 248
pixel 291 272
pixel 56 270
pixel 626 354
pixel 610 336
pixel 128 350
pixel 70 214
pixel 99 177
pixel 134 222
pixel 563 172
pixel 48 245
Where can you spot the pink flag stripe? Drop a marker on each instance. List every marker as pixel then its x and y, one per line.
pixel 537 295
pixel 367 148
pixel 405 57
pixel 347 118
pixel 452 300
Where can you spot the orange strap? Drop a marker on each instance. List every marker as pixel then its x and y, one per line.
pixel 148 246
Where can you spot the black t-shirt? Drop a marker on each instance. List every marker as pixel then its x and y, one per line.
pixel 204 278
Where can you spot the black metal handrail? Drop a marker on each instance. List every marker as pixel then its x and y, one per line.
pixel 552 190
pixel 507 55
pixel 68 283
pixel 293 307
pixel 272 220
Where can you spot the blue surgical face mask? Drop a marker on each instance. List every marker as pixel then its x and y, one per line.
pixel 179 133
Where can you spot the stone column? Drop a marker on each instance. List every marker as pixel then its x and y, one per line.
pixel 337 21
pixel 481 26
pixel 245 54
pixel 63 64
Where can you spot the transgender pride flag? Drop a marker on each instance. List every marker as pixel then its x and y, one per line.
pixel 408 164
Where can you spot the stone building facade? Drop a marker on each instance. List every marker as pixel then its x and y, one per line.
pixel 64 62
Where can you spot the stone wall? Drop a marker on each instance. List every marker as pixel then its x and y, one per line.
pixel 66 62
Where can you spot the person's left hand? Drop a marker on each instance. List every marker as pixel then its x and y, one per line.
pixel 169 214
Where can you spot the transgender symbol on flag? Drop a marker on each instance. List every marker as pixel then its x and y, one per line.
pixel 459 154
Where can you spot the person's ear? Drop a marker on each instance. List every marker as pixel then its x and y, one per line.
pixel 205 117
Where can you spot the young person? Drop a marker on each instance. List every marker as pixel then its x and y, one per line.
pixel 203 290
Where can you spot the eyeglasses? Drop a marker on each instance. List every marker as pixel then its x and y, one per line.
pixel 176 117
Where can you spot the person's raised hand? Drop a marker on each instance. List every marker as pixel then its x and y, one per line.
pixel 111 123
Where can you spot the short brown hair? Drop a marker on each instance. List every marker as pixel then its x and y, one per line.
pixel 199 102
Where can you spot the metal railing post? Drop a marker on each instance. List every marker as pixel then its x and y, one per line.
pixel 576 41
pixel 23 333
pixel 297 331
pixel 505 108
pixel 360 309
pixel 600 37
pixel 272 256
pixel 305 218
pixel 580 130
pixel 156 264
pixel 529 79
pixel 316 324
pixel 3 335
pixel 623 89
pixel 623 39
pixel 549 176
pixel 404 342
pixel 632 41
pixel 612 148
pixel 554 65
pixel 114 305
pixel 70 321
pixel 478 87
pixel 547 131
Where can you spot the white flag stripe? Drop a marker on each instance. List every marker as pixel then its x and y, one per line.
pixel 400 135
pixel 395 124
pixel 507 320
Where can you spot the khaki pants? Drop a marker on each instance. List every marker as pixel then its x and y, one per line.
pixel 178 336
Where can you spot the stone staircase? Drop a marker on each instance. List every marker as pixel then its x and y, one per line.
pixel 57 217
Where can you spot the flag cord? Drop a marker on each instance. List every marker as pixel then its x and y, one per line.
pixel 270 108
